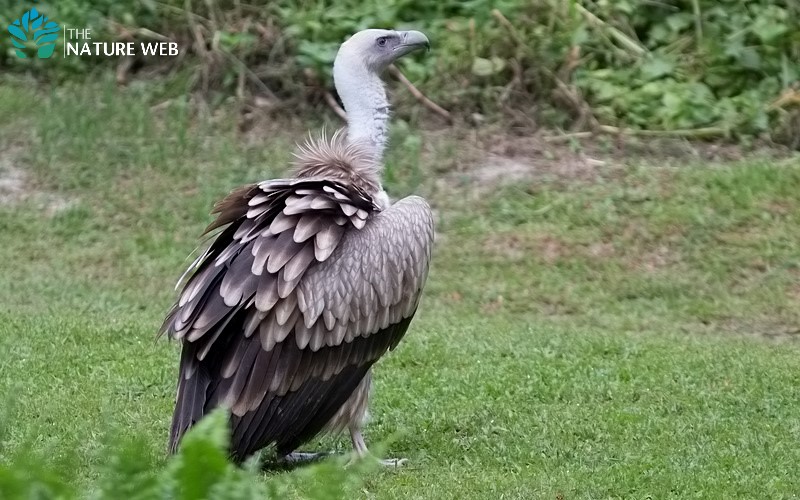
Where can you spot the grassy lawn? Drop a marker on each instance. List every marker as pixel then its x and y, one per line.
pixel 630 335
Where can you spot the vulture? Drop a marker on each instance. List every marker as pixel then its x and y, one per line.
pixel 308 281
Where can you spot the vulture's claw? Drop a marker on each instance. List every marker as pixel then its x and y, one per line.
pixel 394 462
pixel 301 457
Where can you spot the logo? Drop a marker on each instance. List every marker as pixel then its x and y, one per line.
pixel 34 35
pixel 34 31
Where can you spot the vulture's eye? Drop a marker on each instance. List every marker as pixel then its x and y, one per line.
pixel 381 41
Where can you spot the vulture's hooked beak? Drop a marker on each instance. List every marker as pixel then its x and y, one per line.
pixel 412 40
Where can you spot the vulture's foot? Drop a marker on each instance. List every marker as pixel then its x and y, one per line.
pixel 360 451
pixel 301 457
pixel 393 462
pixel 389 463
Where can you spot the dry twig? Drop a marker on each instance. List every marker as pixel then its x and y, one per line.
pixel 123 70
pixel 789 96
pixel 419 95
pixel 629 43
pixel 335 105
pixel 520 41
pixel 252 76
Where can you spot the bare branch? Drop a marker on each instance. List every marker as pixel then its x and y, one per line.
pixel 335 105
pixel 623 39
pixel 419 95
pixel 252 76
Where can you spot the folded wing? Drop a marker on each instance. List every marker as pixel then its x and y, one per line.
pixel 307 285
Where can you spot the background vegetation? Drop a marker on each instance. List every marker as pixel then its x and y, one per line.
pixel 591 329
pixel 697 68
pixel 617 330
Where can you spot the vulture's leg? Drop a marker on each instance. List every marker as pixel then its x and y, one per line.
pixel 361 451
pixel 359 446
pixel 356 410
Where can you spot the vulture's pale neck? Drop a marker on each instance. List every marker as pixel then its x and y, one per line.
pixel 364 98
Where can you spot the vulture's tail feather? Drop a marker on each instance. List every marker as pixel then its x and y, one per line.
pixel 191 398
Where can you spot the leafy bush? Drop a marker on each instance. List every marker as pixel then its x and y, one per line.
pixel 627 63
pixel 700 63
pixel 201 470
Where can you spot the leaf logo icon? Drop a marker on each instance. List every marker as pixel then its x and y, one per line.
pixel 34 27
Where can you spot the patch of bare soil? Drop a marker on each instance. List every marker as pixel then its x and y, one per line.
pixel 480 159
pixel 550 249
pixel 489 159
pixel 17 187
pixel 515 247
pixel 769 328
pixel 505 160
pixel 12 185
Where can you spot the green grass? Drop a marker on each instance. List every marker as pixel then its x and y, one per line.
pixel 624 337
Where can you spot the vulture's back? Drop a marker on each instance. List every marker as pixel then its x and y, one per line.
pixel 305 287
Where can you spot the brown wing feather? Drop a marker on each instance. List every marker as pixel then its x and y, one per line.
pixel 281 321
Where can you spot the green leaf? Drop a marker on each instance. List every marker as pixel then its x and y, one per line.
pixel 580 35
pixel 481 67
pixel 656 67
pixel 487 67
pixel 203 458
pixel 679 22
pixel 767 29
pixel 671 100
pixel 749 58
pixel 130 460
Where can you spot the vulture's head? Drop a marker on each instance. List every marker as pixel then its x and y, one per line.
pixel 376 49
